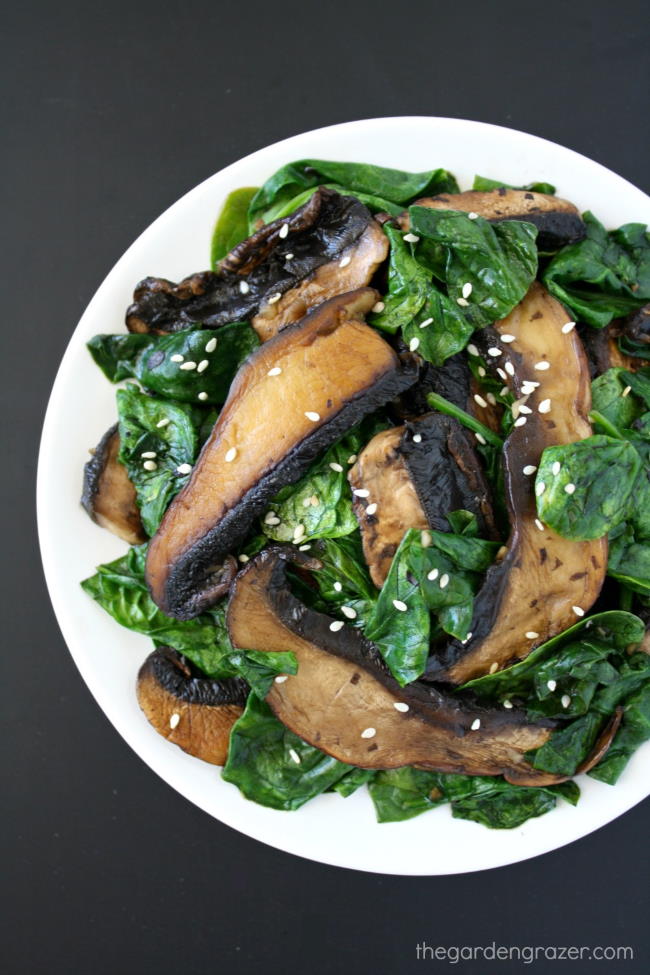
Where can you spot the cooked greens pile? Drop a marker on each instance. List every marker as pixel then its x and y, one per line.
pixel 591 674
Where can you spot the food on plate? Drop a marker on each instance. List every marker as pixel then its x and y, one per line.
pixel 384 468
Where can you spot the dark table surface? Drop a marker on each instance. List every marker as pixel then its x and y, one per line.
pixel 111 112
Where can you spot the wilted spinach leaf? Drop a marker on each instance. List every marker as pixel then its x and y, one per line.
pixel 607 398
pixel 343 579
pixel 634 730
pixel 232 223
pixel 402 793
pixel 260 667
pixel 483 183
pixel 409 285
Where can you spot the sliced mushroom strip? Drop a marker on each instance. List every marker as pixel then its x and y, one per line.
pixel 293 397
pixel 455 382
pixel 603 349
pixel 189 710
pixel 413 476
pixel 544 581
pixel 329 246
pixel 343 701
pixel 558 222
pixel 108 494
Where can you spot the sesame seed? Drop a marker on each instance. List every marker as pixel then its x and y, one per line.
pixel 378 307
pixel 275 371
pixel 411 238
pixel 463 302
pixel 523 408
pixel 569 488
pixel 507 337
pixel 540 487
pixel 542 366
pixel 345 260
pixel 568 327
pixel 493 668
pixel 183 468
pixel 288 256
pixel 469 636
pixel 467 289
pixel 336 625
pixel 203 365
pixel 203 396
pixel 476 724
pixel 243 287
pixel 494 351
pixel 311 415
pixel 626 391
pixel 502 374
pixel 510 369
pixel 417 438
pixel 274 298
pixel 230 455
pixel 565 700
pixel 426 323
pixel 174 719
pixel 284 230
pixel 471 348
pixel 337 587
pixel 479 399
pixel 211 345
pixel 349 612
pixel 400 706
pixel 426 539
pixel 507 704
pixel 413 344
pixel 520 421
pixel 531 635
pixel 481 439
pixel 298 532
pixel 556 468
pixel 444 580
pixel 368 733
pixel 150 465
pixel 280 679
pixel 544 406
pixel 481 371
pixel 528 386
pixel 529 469
pixel 472 215
pixel 188 366
pixel 243 558
pixel 433 575
pixel 314 501
pixel 539 524
pixel 370 510
pixel 401 606
pixel 491 398
pixel 177 357
pixel 503 391
pixel 164 422
pixel 578 610
pixel 336 467
pixel 361 492
pixel 352 458
pixel 304 548
pixel 293 754
pixel 306 503
pixel 551 684
pixel 149 454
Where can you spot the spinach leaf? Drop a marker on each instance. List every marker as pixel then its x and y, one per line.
pixel 353 780
pixel 409 285
pixel 634 730
pixel 601 473
pixel 260 667
pixel 172 445
pixel 608 399
pixel 232 223
pixel 343 578
pixel 152 359
pixel 392 186
pixel 603 276
pixel 437 402
pixel 440 327
pixel 483 183
pixel 510 806
pixel 274 767
pixel 498 260
pixel 402 793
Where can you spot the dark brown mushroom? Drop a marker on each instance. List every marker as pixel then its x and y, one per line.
pixel 108 494
pixel 558 222
pixel 331 245
pixel 454 381
pixel 192 711
pixel 344 701
pixel 293 397
pixel 603 350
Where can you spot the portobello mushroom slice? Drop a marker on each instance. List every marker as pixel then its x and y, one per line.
pixel 293 397
pixel 533 592
pixel 558 222
pixel 454 381
pixel 603 351
pixel 343 700
pixel 412 477
pixel 193 712
pixel 108 495
pixel 329 246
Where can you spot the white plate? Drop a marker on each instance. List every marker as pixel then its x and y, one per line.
pixel 82 405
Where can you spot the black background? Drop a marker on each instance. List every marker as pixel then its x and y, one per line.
pixel 110 113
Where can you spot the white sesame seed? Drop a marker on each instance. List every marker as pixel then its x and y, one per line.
pixel 433 575
pixel 243 287
pixel 203 365
pixel 417 438
pixel 529 386
pixel 203 396
pixel 183 468
pixel 280 679
pixel 471 348
pixel 476 724
pixel 400 706
pixel 378 307
pixel 568 327
pixel 531 635
pixel 284 230
pixel 371 509
pixel 444 581
pixel 336 467
pixel 349 612
pixel 211 345
pixel 481 371
pixel 314 501
pixel 540 487
pixel 529 469
pixel 411 238
pixel 426 323
pixel 481 439
pixel 510 369
pixel 306 503
pixel 551 684
pixel 337 587
pixel 494 351
pixel 272 520
pixel 556 467
pixel 469 636
pixel 336 625
pixel 298 532
pixel 188 366
pixel 274 298
pixel 150 465
pixel 230 455
pixel 479 399
pixel 352 458
pixel 626 391
pixel 539 525
pixel 293 754
pixel 542 366
pixel 174 719
pixel 463 302
pixel 565 700
pixel 491 398
pixel 369 733
pixel 243 558
pixel 493 668
pixel 149 454
pixel 414 343
pixel 164 422
pixel 275 371
pixel 544 406
pixel 345 260
pixel 289 256
pixel 472 215
pixel 304 548
pixel 177 357
pixel 467 289
pixel 426 539
pixel 523 408
pixel 508 338
pixel 578 610
pixel 361 492
pixel 503 391
pixel 401 606
pixel 311 415
pixel 569 488
pixel 508 704
pixel 520 421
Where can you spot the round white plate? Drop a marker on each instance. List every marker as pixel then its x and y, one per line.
pixel 82 406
